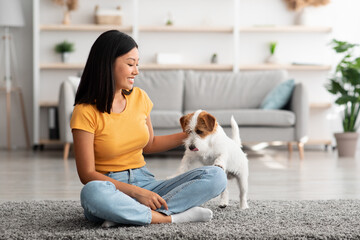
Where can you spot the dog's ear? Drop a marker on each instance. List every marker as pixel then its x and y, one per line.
pixel 184 121
pixel 208 120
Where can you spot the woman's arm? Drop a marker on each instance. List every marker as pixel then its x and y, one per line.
pixel 85 164
pixel 162 143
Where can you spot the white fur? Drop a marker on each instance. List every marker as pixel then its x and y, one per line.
pixel 219 150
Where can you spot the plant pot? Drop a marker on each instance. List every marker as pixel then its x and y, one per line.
pixel 272 59
pixel 346 143
pixel 65 57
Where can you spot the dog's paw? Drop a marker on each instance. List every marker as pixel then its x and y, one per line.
pixel 108 224
pixel 220 166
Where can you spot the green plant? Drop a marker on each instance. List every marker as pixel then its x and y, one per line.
pixel 272 46
pixel 64 46
pixel 345 84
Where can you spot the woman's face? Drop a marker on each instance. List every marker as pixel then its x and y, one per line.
pixel 125 69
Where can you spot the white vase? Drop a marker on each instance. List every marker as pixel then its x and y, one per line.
pixel 272 59
pixel 65 57
pixel 314 16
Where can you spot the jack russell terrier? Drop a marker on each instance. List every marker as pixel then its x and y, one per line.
pixel 208 143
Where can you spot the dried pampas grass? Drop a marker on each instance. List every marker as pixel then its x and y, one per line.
pixel 296 5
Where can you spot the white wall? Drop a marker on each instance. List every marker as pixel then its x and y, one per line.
pixel 196 48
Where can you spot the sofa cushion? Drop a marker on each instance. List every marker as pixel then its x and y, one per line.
pixel 165 119
pixel 279 96
pixel 254 117
pixel 228 90
pixel 165 88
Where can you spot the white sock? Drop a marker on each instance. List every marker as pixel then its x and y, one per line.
pixel 108 224
pixel 195 214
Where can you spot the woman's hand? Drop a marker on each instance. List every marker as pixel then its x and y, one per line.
pixel 150 199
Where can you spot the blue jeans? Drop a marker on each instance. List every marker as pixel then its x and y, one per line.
pixel 102 201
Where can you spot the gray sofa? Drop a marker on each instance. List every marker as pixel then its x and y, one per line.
pixel 175 93
pixel 223 94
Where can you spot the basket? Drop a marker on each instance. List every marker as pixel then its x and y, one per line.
pixel 108 16
pixel 109 20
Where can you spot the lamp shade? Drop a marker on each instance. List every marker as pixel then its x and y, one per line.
pixel 11 14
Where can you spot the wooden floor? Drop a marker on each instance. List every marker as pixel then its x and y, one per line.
pixel 28 175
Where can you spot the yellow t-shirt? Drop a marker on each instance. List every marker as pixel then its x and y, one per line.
pixel 119 138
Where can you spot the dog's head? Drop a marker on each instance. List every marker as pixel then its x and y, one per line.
pixel 199 125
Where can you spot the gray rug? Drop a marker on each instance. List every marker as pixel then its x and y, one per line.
pixel 333 219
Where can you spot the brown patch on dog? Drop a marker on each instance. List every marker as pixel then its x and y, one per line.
pixel 185 120
pixel 206 124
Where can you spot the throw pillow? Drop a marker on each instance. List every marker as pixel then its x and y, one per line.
pixel 279 96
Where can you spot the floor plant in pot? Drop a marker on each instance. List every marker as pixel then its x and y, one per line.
pixel 345 85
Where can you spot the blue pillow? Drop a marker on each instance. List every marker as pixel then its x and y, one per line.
pixel 279 96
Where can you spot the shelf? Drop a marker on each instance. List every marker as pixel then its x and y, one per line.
pixel 286 29
pixel 285 66
pixel 318 142
pixel 83 27
pixel 219 29
pixel 65 66
pixel 185 29
pixel 62 66
pixel 217 67
pixel 48 104
pixel 50 142
pixel 319 105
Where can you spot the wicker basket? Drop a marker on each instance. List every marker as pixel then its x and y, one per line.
pixel 107 16
pixel 106 19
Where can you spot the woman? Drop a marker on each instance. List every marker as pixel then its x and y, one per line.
pixel 112 128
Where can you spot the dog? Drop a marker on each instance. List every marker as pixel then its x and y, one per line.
pixel 208 143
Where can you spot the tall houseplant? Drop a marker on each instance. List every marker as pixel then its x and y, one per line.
pixel 345 85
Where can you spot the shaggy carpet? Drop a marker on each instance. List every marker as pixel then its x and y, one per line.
pixel 331 219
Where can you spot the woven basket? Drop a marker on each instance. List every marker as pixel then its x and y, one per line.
pixel 107 19
pixel 108 16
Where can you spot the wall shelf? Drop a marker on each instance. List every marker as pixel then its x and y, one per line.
pixel 286 29
pixel 320 105
pixel 200 29
pixel 83 27
pixel 285 66
pixel 219 67
pixel 47 104
pixel 231 30
pixel 61 66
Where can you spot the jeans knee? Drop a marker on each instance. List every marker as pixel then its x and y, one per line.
pixel 218 179
pixel 95 190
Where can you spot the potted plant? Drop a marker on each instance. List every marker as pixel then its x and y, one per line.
pixel 64 48
pixel 345 85
pixel 272 58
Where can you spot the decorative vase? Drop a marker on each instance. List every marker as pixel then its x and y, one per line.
pixel 315 16
pixel 346 143
pixel 65 57
pixel 300 17
pixel 66 19
pixel 272 59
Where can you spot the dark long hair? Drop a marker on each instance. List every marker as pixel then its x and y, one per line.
pixel 97 85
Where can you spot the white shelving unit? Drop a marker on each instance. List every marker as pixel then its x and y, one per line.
pixel 232 29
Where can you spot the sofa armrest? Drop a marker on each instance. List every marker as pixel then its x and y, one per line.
pixel 300 106
pixel 65 109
